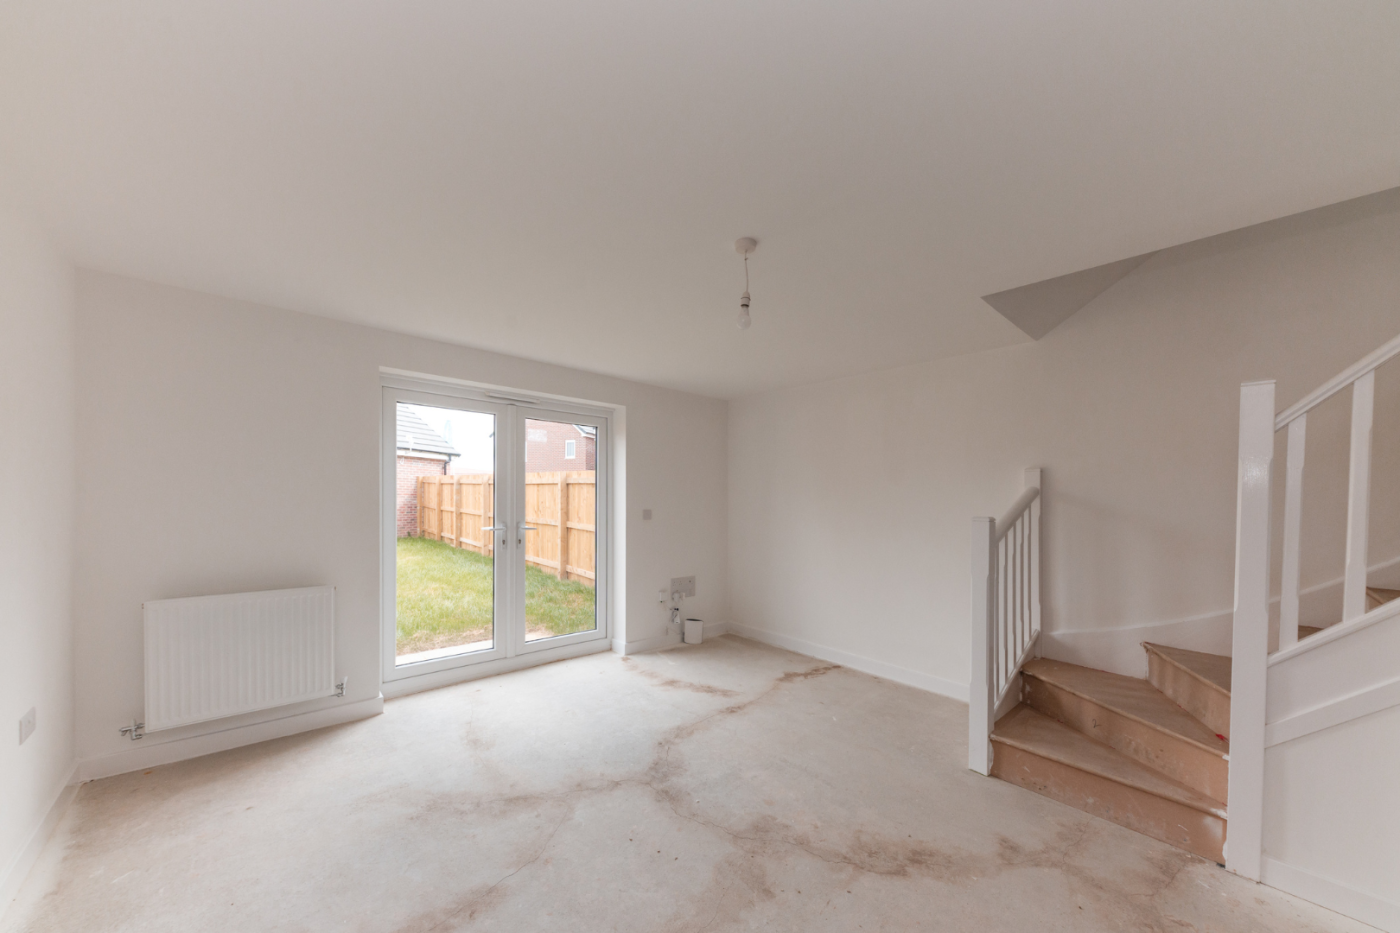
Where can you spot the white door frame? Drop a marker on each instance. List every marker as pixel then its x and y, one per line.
pixel 510 650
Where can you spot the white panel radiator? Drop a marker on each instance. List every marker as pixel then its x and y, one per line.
pixel 208 657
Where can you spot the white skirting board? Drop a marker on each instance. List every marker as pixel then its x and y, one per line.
pixel 13 875
pixel 1324 892
pixel 901 675
pixel 671 639
pixel 147 753
pixel 1120 649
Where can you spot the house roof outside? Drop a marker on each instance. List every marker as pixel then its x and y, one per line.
pixel 415 435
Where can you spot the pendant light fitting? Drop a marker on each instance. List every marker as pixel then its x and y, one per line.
pixel 744 246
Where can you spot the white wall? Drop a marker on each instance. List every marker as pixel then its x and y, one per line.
pixel 850 500
pixel 36 524
pixel 229 447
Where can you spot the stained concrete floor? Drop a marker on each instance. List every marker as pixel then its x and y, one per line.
pixel 728 786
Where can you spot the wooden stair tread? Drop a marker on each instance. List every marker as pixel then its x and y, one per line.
pixel 1379 596
pixel 1038 734
pixel 1212 669
pixel 1128 696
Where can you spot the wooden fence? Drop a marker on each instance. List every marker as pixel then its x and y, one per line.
pixel 562 506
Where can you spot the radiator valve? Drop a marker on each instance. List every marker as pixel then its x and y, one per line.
pixel 135 731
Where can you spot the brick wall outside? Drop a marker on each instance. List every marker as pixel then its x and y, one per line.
pixel 544 447
pixel 407 471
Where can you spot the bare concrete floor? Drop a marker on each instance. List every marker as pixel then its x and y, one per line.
pixel 728 786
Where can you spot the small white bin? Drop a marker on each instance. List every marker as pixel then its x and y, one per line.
pixel 694 631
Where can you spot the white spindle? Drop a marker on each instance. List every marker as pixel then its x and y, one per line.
pixel 1024 572
pixel 1292 531
pixel 1000 634
pixel 1033 478
pixel 1030 553
pixel 1008 633
pixel 1011 599
pixel 1016 572
pixel 1011 611
pixel 1363 395
pixel 1250 655
pixel 998 643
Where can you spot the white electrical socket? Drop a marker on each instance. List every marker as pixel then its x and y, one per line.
pixel 683 585
pixel 26 725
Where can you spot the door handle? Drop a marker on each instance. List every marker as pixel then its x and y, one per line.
pixel 497 528
pixel 525 527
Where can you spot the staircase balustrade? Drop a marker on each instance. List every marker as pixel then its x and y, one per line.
pixel 1005 613
pixel 1250 657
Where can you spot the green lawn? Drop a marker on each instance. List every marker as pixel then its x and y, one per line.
pixel 444 599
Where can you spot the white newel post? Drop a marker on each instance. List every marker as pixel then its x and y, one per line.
pixel 1250 655
pixel 979 695
pixel 1033 478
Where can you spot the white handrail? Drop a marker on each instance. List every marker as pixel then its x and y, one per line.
pixel 1338 382
pixel 1018 508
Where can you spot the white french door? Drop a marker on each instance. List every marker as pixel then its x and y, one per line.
pixel 494 539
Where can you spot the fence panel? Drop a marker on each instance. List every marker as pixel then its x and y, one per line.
pixel 454 509
pixel 562 506
pixel 542 511
pixel 580 525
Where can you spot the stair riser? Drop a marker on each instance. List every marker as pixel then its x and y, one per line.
pixel 1378 596
pixel 1172 823
pixel 1207 703
pixel 1178 759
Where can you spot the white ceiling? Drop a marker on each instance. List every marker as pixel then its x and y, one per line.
pixel 565 180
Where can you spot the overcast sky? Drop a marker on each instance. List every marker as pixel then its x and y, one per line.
pixel 471 432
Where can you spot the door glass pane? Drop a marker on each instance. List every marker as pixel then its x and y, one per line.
pixel 561 469
pixel 446 581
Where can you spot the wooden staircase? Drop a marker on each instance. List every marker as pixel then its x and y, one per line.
pixel 1151 755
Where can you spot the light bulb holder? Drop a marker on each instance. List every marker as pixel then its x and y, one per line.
pixel 743 246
